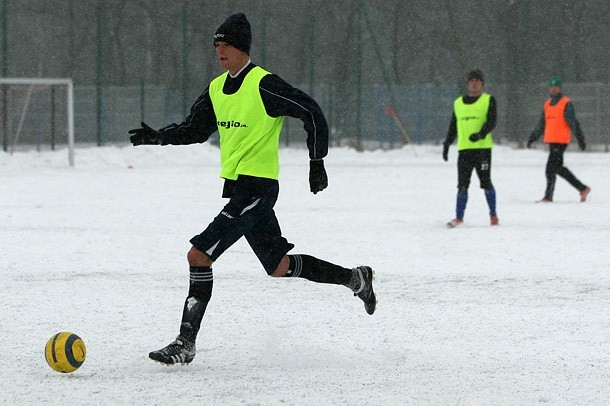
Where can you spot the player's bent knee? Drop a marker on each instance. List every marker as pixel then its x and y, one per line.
pixel 195 257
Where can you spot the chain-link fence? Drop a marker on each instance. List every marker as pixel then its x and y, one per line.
pixel 358 119
pixel 134 59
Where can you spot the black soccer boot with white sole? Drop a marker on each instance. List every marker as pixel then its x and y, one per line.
pixel 178 352
pixel 365 290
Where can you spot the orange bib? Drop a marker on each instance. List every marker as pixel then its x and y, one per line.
pixel 556 128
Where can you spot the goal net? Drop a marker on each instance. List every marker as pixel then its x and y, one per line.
pixel 37 112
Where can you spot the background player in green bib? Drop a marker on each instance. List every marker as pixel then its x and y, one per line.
pixel 247 105
pixel 473 119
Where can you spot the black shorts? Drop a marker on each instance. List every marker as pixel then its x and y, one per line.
pixel 480 161
pixel 248 213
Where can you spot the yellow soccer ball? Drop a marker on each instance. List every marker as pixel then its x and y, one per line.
pixel 65 352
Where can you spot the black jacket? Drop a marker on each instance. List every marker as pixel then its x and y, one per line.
pixel 279 99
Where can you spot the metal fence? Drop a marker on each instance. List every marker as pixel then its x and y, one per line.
pixel 355 118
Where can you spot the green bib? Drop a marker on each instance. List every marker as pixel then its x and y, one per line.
pixel 249 138
pixel 470 119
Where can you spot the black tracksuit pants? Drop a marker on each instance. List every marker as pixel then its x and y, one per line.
pixel 554 167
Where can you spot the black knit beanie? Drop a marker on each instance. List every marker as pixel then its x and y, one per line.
pixel 235 31
pixel 475 74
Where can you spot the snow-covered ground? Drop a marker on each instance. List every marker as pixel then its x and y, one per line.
pixel 512 315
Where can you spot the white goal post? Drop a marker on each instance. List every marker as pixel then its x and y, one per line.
pixel 70 102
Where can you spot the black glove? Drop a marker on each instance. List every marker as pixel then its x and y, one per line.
pixel 582 145
pixel 476 136
pixel 145 136
pixel 445 152
pixel 318 180
pixel 532 138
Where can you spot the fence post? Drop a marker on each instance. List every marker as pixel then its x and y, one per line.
pixel 52 118
pixel 142 100
pixel 4 74
pixel 98 70
pixel 185 57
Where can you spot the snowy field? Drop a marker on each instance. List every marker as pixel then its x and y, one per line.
pixel 512 315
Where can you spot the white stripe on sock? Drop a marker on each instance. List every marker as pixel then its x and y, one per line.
pixel 298 266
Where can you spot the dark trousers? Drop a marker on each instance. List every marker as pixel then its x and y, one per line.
pixel 554 167
pixel 478 160
pixel 249 213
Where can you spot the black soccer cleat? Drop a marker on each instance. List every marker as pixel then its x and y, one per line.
pixel 365 291
pixel 178 352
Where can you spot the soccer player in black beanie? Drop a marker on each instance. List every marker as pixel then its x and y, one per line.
pixel 236 32
pixel 247 106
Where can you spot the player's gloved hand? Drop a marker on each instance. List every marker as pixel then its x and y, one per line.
pixel 476 136
pixel 318 180
pixel 145 136
pixel 582 145
pixel 445 152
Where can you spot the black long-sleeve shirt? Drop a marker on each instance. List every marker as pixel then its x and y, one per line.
pixel 570 116
pixel 279 99
pixel 489 125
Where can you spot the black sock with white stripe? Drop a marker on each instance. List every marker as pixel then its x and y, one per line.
pixel 200 292
pixel 317 270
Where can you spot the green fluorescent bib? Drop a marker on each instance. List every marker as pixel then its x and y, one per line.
pixel 470 119
pixel 249 138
